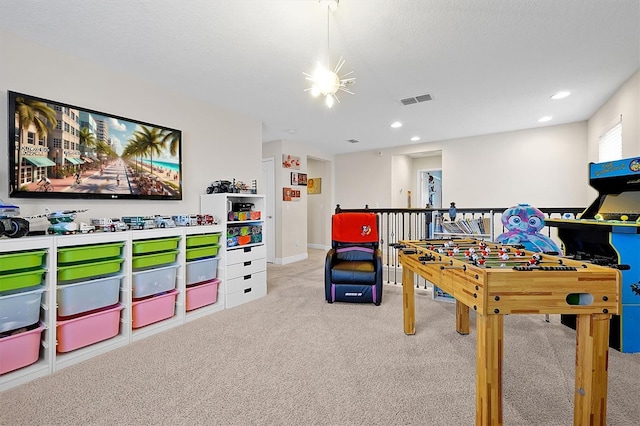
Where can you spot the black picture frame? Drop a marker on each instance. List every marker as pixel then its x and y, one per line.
pixel 59 150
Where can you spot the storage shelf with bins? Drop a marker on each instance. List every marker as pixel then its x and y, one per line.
pixel 90 282
pixel 155 282
pixel 243 255
pixel 77 277
pixel 25 300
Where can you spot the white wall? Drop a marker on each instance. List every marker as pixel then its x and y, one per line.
pixel 217 144
pixel 319 207
pixel 545 167
pixel 401 182
pixel 363 178
pixel 624 103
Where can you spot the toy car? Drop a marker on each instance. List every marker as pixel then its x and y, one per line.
pixel 85 228
pixel 220 186
pixel 164 222
pixel 184 220
pixel 10 225
pixel 205 219
pixel 139 222
pixel 106 224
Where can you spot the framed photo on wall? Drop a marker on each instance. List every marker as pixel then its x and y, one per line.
pixel 314 186
pixel 286 194
pixel 290 162
pixel 302 179
pixel 294 178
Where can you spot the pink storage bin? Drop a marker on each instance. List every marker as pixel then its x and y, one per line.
pixel 153 309
pixel 85 330
pixel 20 350
pixel 202 294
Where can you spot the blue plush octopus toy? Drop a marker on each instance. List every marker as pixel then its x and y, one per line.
pixel 524 223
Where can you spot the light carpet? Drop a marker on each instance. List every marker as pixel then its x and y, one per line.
pixel 290 358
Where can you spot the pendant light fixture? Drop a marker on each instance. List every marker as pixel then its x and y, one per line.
pixel 325 82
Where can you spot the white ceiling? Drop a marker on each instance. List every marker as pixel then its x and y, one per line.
pixel 490 66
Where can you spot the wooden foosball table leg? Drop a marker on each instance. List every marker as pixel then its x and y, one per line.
pixel 489 351
pixel 592 361
pixel 462 318
pixel 409 302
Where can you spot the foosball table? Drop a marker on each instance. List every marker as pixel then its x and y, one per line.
pixel 496 280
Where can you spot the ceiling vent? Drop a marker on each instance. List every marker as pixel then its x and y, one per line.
pixel 353 140
pixel 416 99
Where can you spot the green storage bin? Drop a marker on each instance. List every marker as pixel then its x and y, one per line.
pixel 155 259
pixel 77 254
pixel 155 245
pixel 20 260
pixel 89 270
pixel 21 279
pixel 202 252
pixel 202 240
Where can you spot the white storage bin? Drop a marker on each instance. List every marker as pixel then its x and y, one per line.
pixel 20 308
pixel 201 270
pixel 153 281
pixel 88 295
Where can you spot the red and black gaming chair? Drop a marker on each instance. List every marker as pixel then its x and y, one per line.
pixel 353 267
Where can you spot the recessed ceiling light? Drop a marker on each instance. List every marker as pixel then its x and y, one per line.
pixel 396 124
pixel 415 139
pixel 561 95
pixel 545 119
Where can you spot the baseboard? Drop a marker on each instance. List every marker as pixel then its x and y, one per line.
pixel 318 247
pixel 291 259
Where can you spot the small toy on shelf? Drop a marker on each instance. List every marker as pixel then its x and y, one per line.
pixel 106 224
pixel 206 219
pixel 164 222
pixel 236 187
pixel 10 225
pixel 139 222
pixel 185 220
pixel 63 222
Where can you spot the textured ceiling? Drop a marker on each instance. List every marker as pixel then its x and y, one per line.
pixel 489 65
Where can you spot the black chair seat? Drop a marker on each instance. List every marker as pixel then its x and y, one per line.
pixel 353 273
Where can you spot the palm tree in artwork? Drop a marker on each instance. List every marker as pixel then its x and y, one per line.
pixel 32 112
pixel 172 138
pixel 87 139
pixel 150 141
pixel 133 149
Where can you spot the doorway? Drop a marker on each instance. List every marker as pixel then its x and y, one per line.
pixel 430 184
pixel 269 190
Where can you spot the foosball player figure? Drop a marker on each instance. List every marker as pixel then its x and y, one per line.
pixel 456 249
pixel 535 259
pixel 481 260
pixel 519 253
pixel 503 255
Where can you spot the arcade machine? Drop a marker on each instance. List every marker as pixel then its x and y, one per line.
pixel 608 233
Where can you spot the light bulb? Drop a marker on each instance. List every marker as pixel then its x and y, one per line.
pixel 329 101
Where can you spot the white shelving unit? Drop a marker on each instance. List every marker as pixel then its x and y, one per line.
pixel 243 267
pixel 49 359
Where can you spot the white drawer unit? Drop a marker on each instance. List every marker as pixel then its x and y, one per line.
pixel 244 254
pixel 245 289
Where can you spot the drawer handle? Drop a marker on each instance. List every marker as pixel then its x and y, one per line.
pixel 247 263
pixel 247 277
pixel 247 290
pixel 247 249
